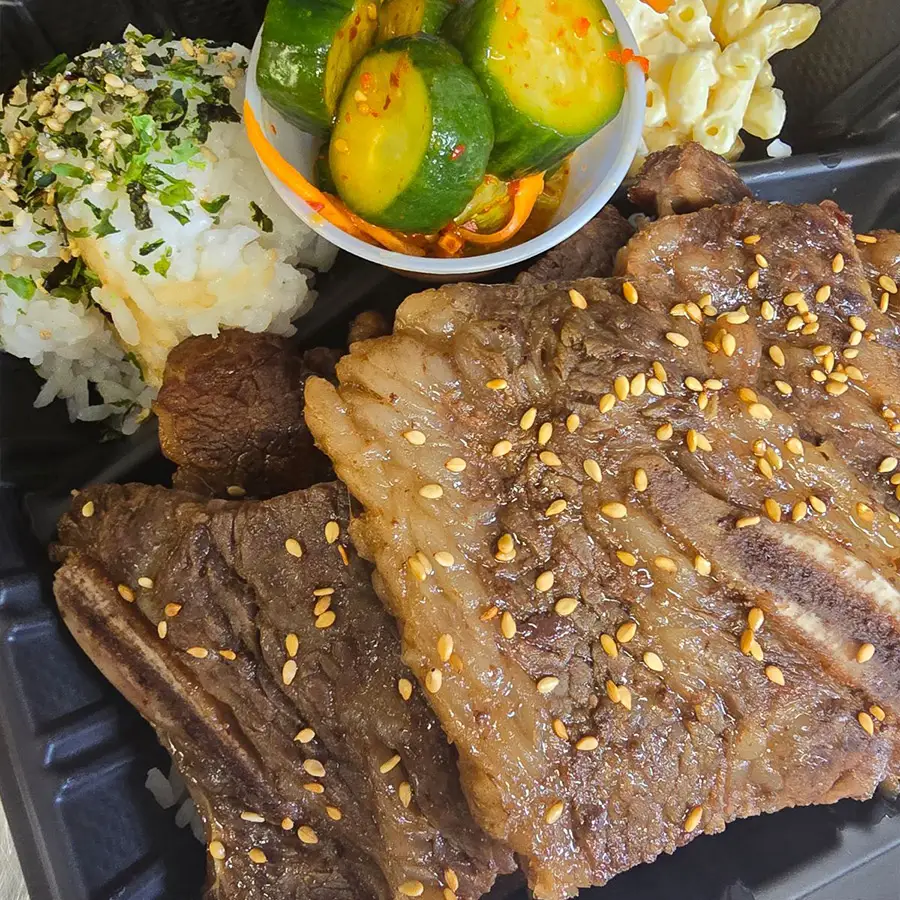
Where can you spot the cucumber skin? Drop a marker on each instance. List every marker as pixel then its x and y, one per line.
pixel 432 19
pixel 522 146
pixel 296 38
pixel 442 187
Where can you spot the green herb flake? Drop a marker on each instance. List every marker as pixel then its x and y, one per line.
pixel 150 246
pixel 180 217
pixel 162 264
pixel 145 130
pixel 140 269
pixel 178 191
pixel 69 171
pixel 103 226
pixel 24 286
pixel 36 246
pixel 214 207
pixel 260 218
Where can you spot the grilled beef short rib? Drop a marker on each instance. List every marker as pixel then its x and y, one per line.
pixel 248 634
pixel 655 514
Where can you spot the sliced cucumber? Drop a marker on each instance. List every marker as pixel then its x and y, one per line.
pixel 412 136
pixel 545 68
pixel 308 49
pixel 404 17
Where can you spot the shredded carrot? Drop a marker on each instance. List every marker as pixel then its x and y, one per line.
pixel 627 55
pixel 659 5
pixel 328 207
pixel 527 190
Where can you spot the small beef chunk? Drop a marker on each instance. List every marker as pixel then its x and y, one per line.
pixel 684 179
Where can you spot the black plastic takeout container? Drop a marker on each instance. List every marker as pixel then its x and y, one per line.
pixel 74 755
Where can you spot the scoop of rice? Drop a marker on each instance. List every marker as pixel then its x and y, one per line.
pixel 133 214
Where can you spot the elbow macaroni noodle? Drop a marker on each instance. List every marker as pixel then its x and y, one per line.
pixel 710 74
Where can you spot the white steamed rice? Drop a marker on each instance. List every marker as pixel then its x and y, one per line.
pixel 153 266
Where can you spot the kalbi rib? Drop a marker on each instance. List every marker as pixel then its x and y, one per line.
pixel 590 252
pixel 280 702
pixel 673 591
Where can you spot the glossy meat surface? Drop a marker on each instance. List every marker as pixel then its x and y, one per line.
pixel 660 548
pixel 590 252
pixel 231 414
pixel 278 700
pixel 684 179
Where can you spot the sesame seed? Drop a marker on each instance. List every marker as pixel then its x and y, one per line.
pixel 507 625
pixel 549 458
pixel 607 27
pixel 664 432
pixel 817 504
pixel 853 373
pixel 416 568
pixel 217 850
pixel 702 565
pixel 257 856
pixel 614 510
pixel 528 418
pixel 314 767
pixel 760 412
pixel 451 879
pixel 587 743
pixel 607 402
pixel 836 388
pixel 792 298
pixel 490 613
pixel 287 824
pixel 837 263
pixel 799 511
pixel 198 652
pixel 767 311
pixel 404 792
pixel 628 559
pixel 608 643
pixel 795 445
pixel 877 712
pixel 545 432
pixel 622 387
pixel 736 317
pixel 753 280
pixel 747 521
pixel 854 339
pixel 314 788
pixel 784 388
pixel 752 239
pixel 773 509
pixel 547 684
pixel 866 723
pixel 747 640
pixel 696 441
pixel 497 384
pixel 455 464
pixel 656 387
pixel 678 339
pixel 565 606
pixel 818 375
pixel 794 323
pixel 857 323
pixel 126 593
pixel 326 619
pixel 572 422
pixel 693 384
pixel 625 697
pixel 322 605
pixel 577 299
pixel 638 384
pixel 884 302
pixel 292 644
pixel 748 395
pixel 666 564
pixel 230 655
pixel 391 764
pixel 775 675
pixel 304 735
pixel 544 582
pixel 560 730
pixel 865 512
pixel 554 812
pixel 431 491
pixel 162 629
pixel 501 448
pixel 659 370
pixel 629 292
pixel 765 467
pixel 416 438
pixel 652 661
pixel 776 354
pixel 626 632
pixel 693 819
pixel 865 652
pixel 292 545
pixel 88 509
pixel 592 470
pixel 755 618
pixel 444 558
pixel 867 239
pixel 411 888
pixel 823 294
pixel 248 816
pixel 887 465
pixel 761 261
pixel 289 671
pixel 433 681
pixel 886 283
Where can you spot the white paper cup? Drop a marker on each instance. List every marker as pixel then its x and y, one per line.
pixel 598 168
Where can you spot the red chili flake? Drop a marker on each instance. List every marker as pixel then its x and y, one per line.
pixel 457 151
pixel 582 25
pixel 340 33
pixel 354 31
pixel 272 128
pixel 367 81
pixel 387 102
pixel 356 20
pixel 395 79
pixel 316 206
pixel 347 118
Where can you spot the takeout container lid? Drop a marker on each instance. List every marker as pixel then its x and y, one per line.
pixel 598 168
